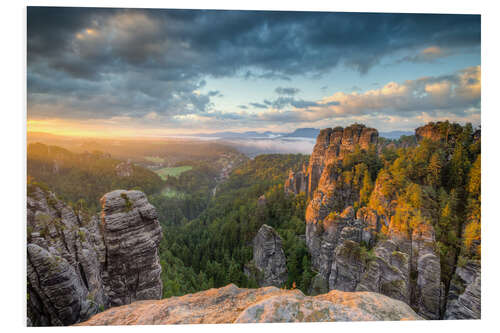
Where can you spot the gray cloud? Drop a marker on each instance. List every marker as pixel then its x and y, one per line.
pixel 102 63
pixel 287 91
pixel 453 96
pixel 259 105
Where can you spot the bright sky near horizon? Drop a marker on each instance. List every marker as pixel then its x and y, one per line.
pixel 102 71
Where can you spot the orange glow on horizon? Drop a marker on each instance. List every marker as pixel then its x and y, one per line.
pixel 66 128
pixel 118 128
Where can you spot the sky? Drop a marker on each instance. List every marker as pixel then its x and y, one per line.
pixel 139 72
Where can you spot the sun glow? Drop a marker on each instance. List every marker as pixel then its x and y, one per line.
pixel 66 128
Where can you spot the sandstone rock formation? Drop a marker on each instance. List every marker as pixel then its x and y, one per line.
pixel 132 234
pixel 404 268
pixel 464 297
pixel 430 131
pixel 79 264
pixel 297 182
pixel 442 131
pixel 331 145
pixel 268 266
pixel 124 169
pixel 348 252
pixel 270 304
pixel 261 201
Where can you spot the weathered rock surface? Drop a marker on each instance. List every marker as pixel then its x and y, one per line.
pixel 124 169
pixel 464 297
pixel 79 264
pixel 62 296
pixel 270 304
pixel 268 266
pixel 331 146
pixel 347 251
pixel 442 131
pixel 132 234
pixel 430 131
pixel 297 182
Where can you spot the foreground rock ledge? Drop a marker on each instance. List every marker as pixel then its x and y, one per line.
pixel 231 304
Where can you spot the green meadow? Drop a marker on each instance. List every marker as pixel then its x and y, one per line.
pixel 168 192
pixel 154 159
pixel 173 171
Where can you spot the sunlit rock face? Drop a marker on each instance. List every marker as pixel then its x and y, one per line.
pixel 79 264
pixel 363 250
pixel 264 305
pixel 298 181
pixel 332 144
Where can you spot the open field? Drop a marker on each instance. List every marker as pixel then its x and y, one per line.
pixel 154 159
pixel 173 172
pixel 171 193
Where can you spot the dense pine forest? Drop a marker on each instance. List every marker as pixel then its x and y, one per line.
pixel 208 234
pixel 211 250
pixel 435 182
pixel 84 178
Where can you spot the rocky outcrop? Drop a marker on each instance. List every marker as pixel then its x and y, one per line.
pixel 464 297
pixel 132 234
pixel 366 252
pixel 403 268
pixel 79 264
pixel 268 266
pixel 264 305
pixel 57 295
pixel 443 131
pixel 332 144
pixel 430 131
pixel 124 169
pixel 297 182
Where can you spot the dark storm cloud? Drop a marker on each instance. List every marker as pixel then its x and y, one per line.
pixel 285 101
pixel 287 91
pixel 259 105
pixel 104 62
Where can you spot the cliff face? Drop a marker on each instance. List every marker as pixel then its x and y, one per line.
pixel 464 297
pixel 430 131
pixel 347 256
pixel 332 144
pixel 366 252
pixel 298 181
pixel 79 265
pixel 269 263
pixel 264 305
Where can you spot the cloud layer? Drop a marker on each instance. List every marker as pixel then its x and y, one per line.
pixel 150 65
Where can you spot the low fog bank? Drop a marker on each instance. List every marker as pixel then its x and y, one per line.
pixel 254 147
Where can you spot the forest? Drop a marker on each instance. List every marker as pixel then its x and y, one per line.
pixel 436 182
pixel 83 178
pixel 207 237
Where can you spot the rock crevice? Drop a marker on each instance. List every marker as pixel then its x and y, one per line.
pixel 79 265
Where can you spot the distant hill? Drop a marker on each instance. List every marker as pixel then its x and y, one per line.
pixel 304 133
pixel 395 134
pixel 298 133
